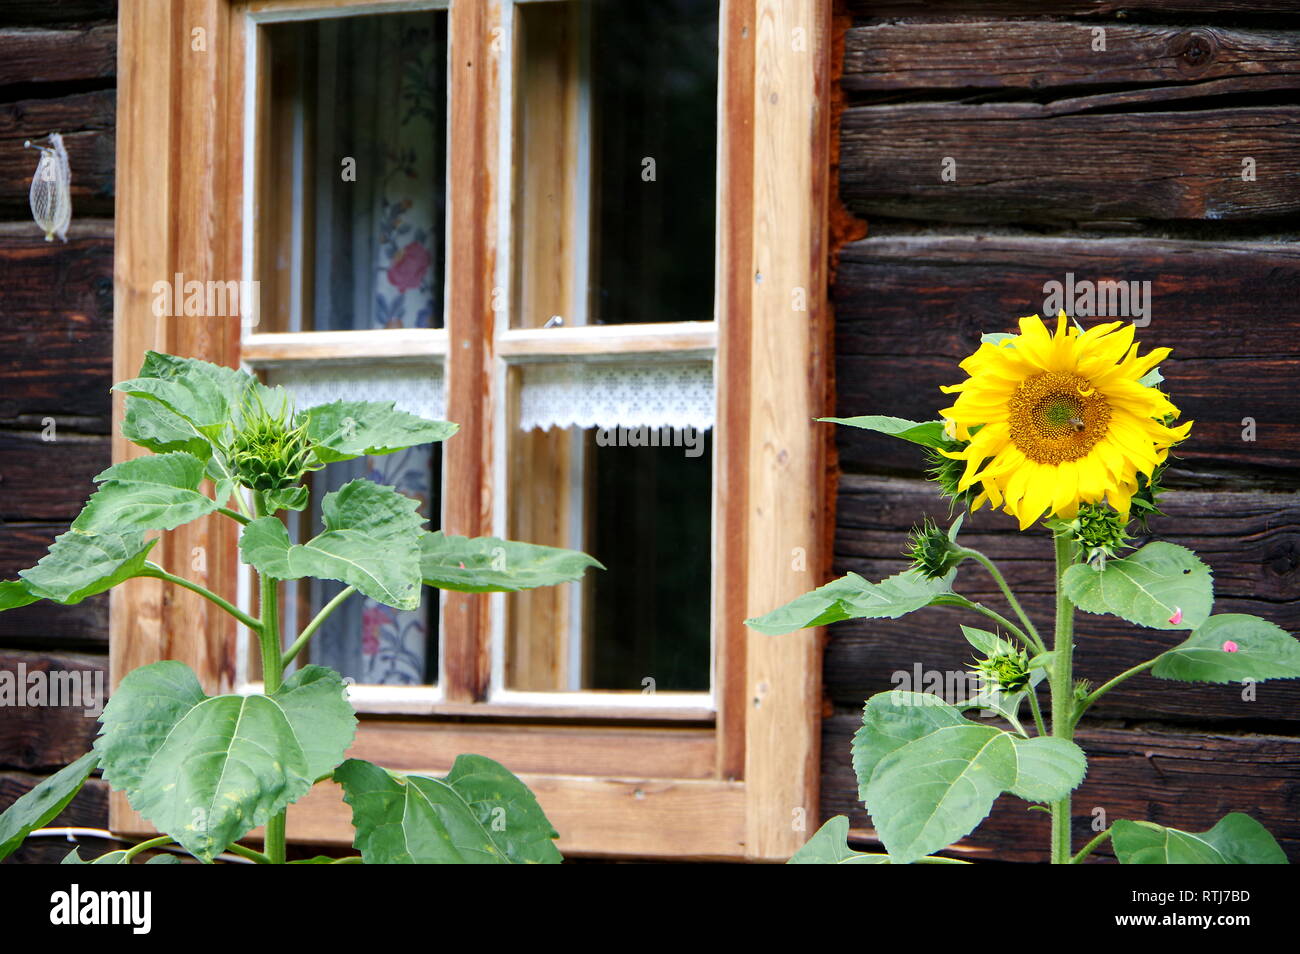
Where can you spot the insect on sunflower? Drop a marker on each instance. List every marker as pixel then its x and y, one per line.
pixel 1058 420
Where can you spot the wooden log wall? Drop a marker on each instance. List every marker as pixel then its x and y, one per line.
pixel 1123 163
pixel 58 66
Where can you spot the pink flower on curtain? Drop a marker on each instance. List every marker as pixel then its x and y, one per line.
pixel 373 619
pixel 408 267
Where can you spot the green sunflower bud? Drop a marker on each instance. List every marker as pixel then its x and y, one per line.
pixel 1007 670
pixel 947 472
pixel 932 550
pixel 1100 531
pixel 269 453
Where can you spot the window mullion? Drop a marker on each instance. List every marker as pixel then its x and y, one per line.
pixel 472 197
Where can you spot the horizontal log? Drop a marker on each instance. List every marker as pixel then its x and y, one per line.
pixel 1017 54
pixel 56 340
pixel 908 309
pixel 1250 540
pixel 48 733
pixel 86 623
pixel 1018 163
pixel 1128 9
pixel 89 809
pixel 87 122
pixel 44 479
pixel 1183 780
pixel 31 12
pixel 50 56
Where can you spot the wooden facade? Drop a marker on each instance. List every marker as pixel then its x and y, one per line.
pixel 1121 164
pixel 1117 164
pixel 58 66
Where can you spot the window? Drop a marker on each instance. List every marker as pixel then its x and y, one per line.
pixel 533 247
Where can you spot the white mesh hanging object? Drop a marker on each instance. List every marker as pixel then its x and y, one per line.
pixel 604 394
pixel 51 194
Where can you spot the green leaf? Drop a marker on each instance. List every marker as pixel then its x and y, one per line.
pixel 1237 839
pixel 892 719
pixel 478 814
pixel 935 789
pixel 1263 651
pixel 148 493
pixel 152 426
pixel 347 429
pixel 829 846
pixel 83 564
pixel 204 395
pixel 852 597
pixel 374 509
pixel 929 776
pixel 996 337
pixel 14 593
pixel 490 565
pixel 290 498
pixel 925 433
pixel 1149 587
pixel 1047 768
pixel 117 857
pixel 1151 378
pixel 317 860
pixel 38 807
pixel 989 644
pixel 371 540
pixel 166 858
pixel 207 770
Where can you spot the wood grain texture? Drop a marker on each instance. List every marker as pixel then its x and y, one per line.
pixel 1002 54
pixel 86 122
pixel 56 336
pixel 1068 8
pixel 471 263
pixel 921 303
pixel 731 439
pixel 1185 780
pixel 48 480
pixel 788 367
pixel 634 817
pixel 89 809
pixel 54 56
pixel 31 12
pixel 1022 163
pixel 1250 540
pixel 46 737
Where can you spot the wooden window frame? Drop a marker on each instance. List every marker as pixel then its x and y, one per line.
pixel 732 783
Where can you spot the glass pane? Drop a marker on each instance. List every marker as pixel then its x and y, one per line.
pixel 615 161
pixel 637 496
pixel 352 186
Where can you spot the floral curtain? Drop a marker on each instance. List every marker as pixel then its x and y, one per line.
pixel 379 253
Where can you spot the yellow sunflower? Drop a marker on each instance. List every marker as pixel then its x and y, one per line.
pixel 1058 420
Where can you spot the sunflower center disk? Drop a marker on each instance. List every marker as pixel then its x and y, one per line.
pixel 1055 417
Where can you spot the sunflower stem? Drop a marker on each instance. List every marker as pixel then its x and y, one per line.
pixel 272 679
pixel 1038 713
pixel 1014 603
pixel 1062 686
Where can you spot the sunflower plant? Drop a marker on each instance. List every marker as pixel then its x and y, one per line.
pixel 1070 431
pixel 207 770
